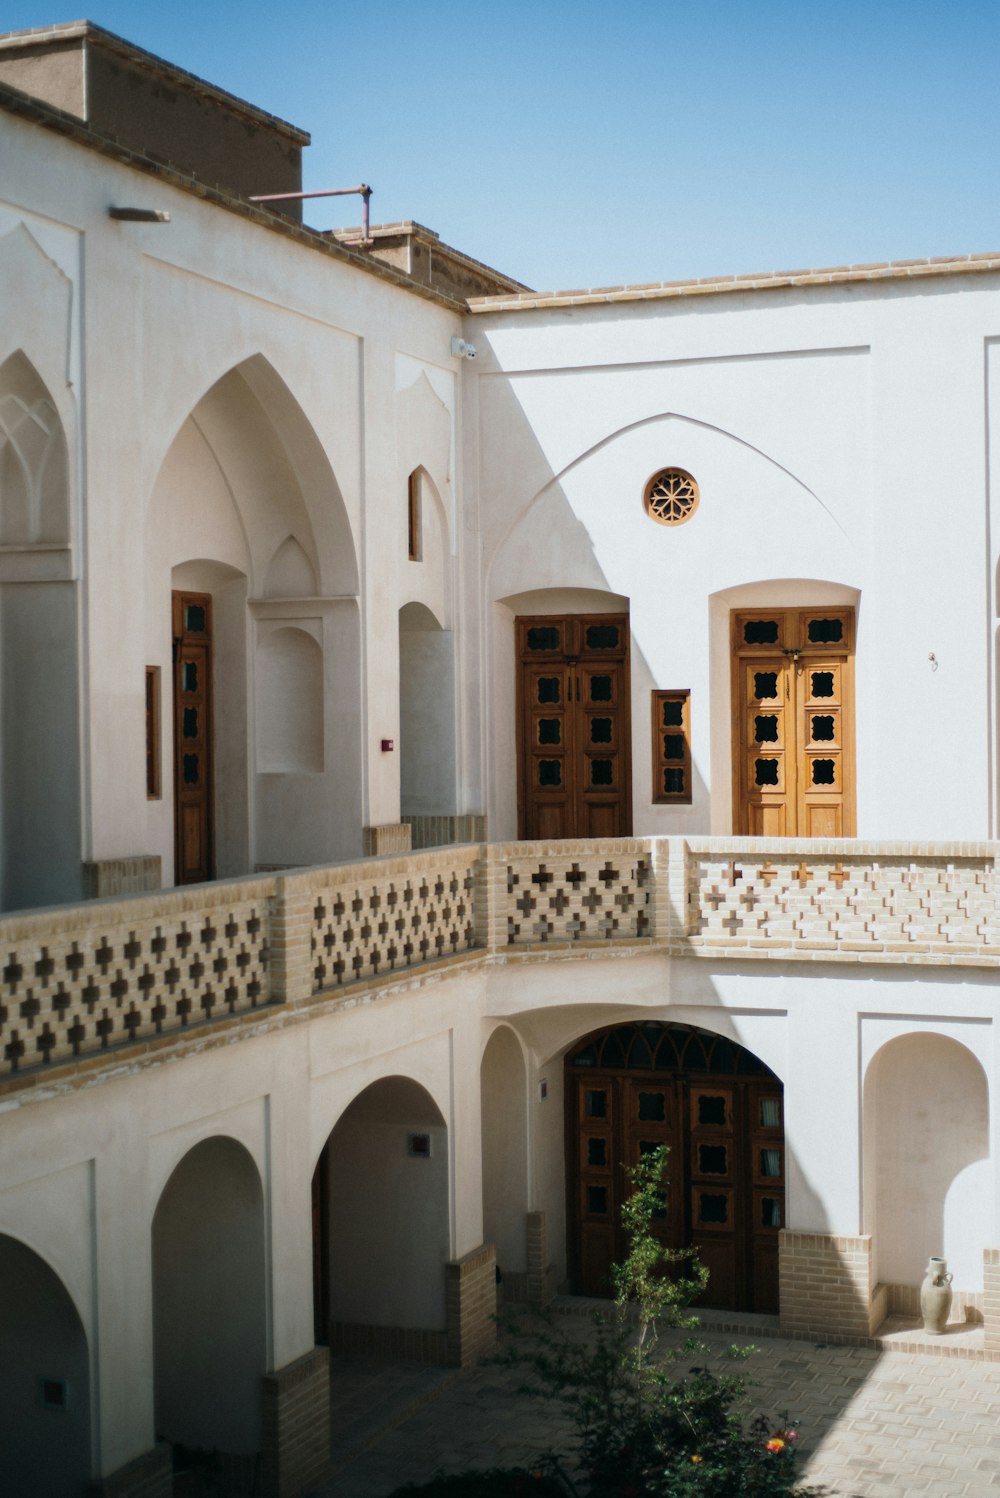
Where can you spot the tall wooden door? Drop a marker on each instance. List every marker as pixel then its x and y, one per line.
pixel 193 809
pixel 719 1110
pixel 574 770
pixel 793 713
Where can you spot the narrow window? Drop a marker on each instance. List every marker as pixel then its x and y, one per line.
pixel 413 515
pixel 672 748
pixel 153 791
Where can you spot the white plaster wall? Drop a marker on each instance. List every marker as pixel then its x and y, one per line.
pixel 929 1177
pixel 427 768
pixel 505 1148
pixel 389 1229
pixel 814 424
pixel 45 1450
pixel 209 1326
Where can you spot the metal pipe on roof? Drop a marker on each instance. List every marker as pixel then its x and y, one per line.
pixel 364 191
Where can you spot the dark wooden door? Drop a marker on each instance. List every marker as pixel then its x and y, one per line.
pixel 725 1132
pixel 193 808
pixel 574 770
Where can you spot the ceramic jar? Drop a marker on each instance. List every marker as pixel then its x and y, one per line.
pixel 935 1296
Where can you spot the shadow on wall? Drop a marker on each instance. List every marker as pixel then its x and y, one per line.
pixel 44 1380
pixel 381 1224
pixel 928 1183
pixel 209 1334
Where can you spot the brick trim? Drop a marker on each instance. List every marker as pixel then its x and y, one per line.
pixel 295 1425
pixel 148 1476
pixel 470 1305
pixel 825 1284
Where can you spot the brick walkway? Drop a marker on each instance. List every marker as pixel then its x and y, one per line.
pixel 874 1424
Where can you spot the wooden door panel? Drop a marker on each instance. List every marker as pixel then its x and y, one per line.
pixel 193 749
pixel 573 726
pixel 792 715
pixel 725 1173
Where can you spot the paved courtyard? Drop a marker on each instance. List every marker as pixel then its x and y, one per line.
pixel 874 1424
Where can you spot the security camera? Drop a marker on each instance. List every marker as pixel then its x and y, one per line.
pixel 462 350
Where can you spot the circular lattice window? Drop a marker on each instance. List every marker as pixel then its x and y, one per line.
pixel 671 496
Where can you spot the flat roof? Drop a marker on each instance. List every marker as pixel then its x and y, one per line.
pixel 651 291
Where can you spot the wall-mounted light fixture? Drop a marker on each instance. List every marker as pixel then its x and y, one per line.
pixel 462 350
pixel 140 215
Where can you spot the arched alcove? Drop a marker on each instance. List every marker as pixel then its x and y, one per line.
pixel 44 1381
pixel 209 1306
pixel 247 490
pixel 381 1220
pixel 427 768
pixel 290 573
pixel 39 693
pixel 928 1184
pixel 34 471
pixel 289 706
pixel 504 1103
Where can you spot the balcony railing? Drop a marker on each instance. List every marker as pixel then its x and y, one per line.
pixel 80 985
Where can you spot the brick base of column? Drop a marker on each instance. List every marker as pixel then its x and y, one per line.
pixel 540 1289
pixel 148 1476
pixel 122 876
pixel 991 1301
pixel 825 1284
pixel 295 1435
pixel 470 1306
pixel 391 837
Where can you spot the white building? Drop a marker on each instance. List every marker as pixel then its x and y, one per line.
pixel 287 582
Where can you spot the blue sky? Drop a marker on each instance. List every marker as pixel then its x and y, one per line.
pixel 588 144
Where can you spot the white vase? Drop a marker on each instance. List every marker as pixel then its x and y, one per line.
pixel 935 1296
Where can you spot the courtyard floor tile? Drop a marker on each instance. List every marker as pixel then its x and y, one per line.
pixel 874 1423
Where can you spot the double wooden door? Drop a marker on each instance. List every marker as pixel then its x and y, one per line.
pixel 193 771
pixel 793 709
pixel 725 1170
pixel 574 775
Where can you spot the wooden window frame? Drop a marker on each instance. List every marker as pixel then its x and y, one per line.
pixel 658 697
pixel 413 547
pixel 154 755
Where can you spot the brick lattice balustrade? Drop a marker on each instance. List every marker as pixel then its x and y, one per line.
pixel 81 984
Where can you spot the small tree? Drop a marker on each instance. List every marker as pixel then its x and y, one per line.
pixel 641 1429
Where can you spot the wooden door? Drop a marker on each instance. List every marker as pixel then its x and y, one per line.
pixel 574 770
pixel 793 712
pixel 193 808
pixel 725 1188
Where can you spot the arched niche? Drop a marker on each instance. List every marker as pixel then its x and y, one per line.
pixel 44 1380
pixel 290 574
pixel 209 1300
pixel 428 580
pixel 928 1184
pixel 381 1222
pixel 39 691
pixel 504 1104
pixel 427 769
pixel 34 469
pixel 246 489
pixel 289 704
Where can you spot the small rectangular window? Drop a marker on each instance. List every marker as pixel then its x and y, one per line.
pixel 153 789
pixel 413 515
pixel 671 714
